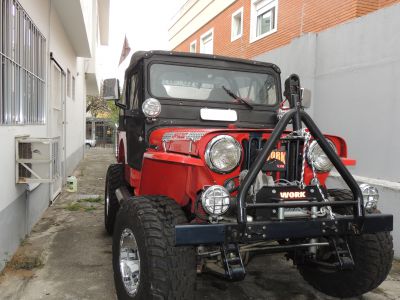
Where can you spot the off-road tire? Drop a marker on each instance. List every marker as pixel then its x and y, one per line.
pixel 340 195
pixel 114 180
pixel 166 271
pixel 372 254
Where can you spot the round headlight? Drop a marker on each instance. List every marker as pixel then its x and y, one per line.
pixel 223 154
pixel 215 200
pixel 317 156
pixel 370 195
pixel 151 108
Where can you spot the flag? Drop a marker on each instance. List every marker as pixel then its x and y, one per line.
pixel 126 49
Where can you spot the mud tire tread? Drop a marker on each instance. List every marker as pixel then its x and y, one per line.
pixel 372 254
pixel 114 180
pixel 171 271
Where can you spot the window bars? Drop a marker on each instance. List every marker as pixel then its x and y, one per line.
pixel 22 67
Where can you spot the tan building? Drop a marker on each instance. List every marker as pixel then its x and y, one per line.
pixel 247 28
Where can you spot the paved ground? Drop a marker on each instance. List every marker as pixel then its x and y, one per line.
pixel 68 256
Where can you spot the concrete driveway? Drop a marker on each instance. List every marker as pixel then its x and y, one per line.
pixel 68 256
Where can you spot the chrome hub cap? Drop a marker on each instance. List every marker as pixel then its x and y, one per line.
pixel 129 262
pixel 107 202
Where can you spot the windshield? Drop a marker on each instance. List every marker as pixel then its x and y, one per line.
pixel 207 84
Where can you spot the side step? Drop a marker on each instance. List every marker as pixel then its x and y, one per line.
pixel 233 263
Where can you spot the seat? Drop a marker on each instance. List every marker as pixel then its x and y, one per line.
pixel 160 91
pixel 218 94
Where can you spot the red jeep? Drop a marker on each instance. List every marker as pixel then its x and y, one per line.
pixel 213 170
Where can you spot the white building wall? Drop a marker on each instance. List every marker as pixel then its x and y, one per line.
pixel 65 55
pixel 39 11
pixel 76 120
pixel 20 209
pixel 89 9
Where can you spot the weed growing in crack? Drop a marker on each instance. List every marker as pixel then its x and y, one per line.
pixel 79 206
pixel 91 208
pixel 91 200
pixel 74 206
pixel 23 241
pixel 26 263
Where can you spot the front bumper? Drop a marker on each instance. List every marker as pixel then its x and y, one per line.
pixel 208 234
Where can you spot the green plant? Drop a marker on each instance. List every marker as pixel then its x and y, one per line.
pixel 91 200
pixel 23 241
pixel 26 263
pixel 91 208
pixel 74 206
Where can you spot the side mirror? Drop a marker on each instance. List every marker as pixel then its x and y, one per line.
pixel 111 89
pixel 305 97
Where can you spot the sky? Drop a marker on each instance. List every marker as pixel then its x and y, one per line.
pixel 145 24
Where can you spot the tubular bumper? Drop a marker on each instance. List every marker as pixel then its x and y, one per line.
pixel 208 234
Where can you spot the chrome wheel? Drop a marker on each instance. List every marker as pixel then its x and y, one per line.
pixel 129 262
pixel 107 201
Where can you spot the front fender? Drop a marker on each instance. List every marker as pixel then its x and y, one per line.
pixel 177 176
pixel 174 158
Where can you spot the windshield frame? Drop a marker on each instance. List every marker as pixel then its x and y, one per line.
pixel 196 102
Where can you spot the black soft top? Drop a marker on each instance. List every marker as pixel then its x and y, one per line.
pixel 140 55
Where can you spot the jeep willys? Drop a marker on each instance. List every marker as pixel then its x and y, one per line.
pixel 213 168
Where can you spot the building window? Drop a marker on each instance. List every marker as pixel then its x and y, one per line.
pixel 264 18
pixel 73 87
pixel 192 47
pixel 237 24
pixel 22 67
pixel 207 42
pixel 68 83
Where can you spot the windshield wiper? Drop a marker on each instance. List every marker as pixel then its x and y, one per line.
pixel 240 99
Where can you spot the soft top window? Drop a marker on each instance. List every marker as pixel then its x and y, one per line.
pixel 208 84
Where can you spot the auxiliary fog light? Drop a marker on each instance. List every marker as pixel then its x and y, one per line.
pixel 215 200
pixel 370 195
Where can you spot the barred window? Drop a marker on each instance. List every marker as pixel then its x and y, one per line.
pixel 22 67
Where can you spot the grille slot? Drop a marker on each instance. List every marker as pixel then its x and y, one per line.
pixel 253 145
pixel 251 148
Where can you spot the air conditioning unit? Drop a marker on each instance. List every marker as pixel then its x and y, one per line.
pixel 37 160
